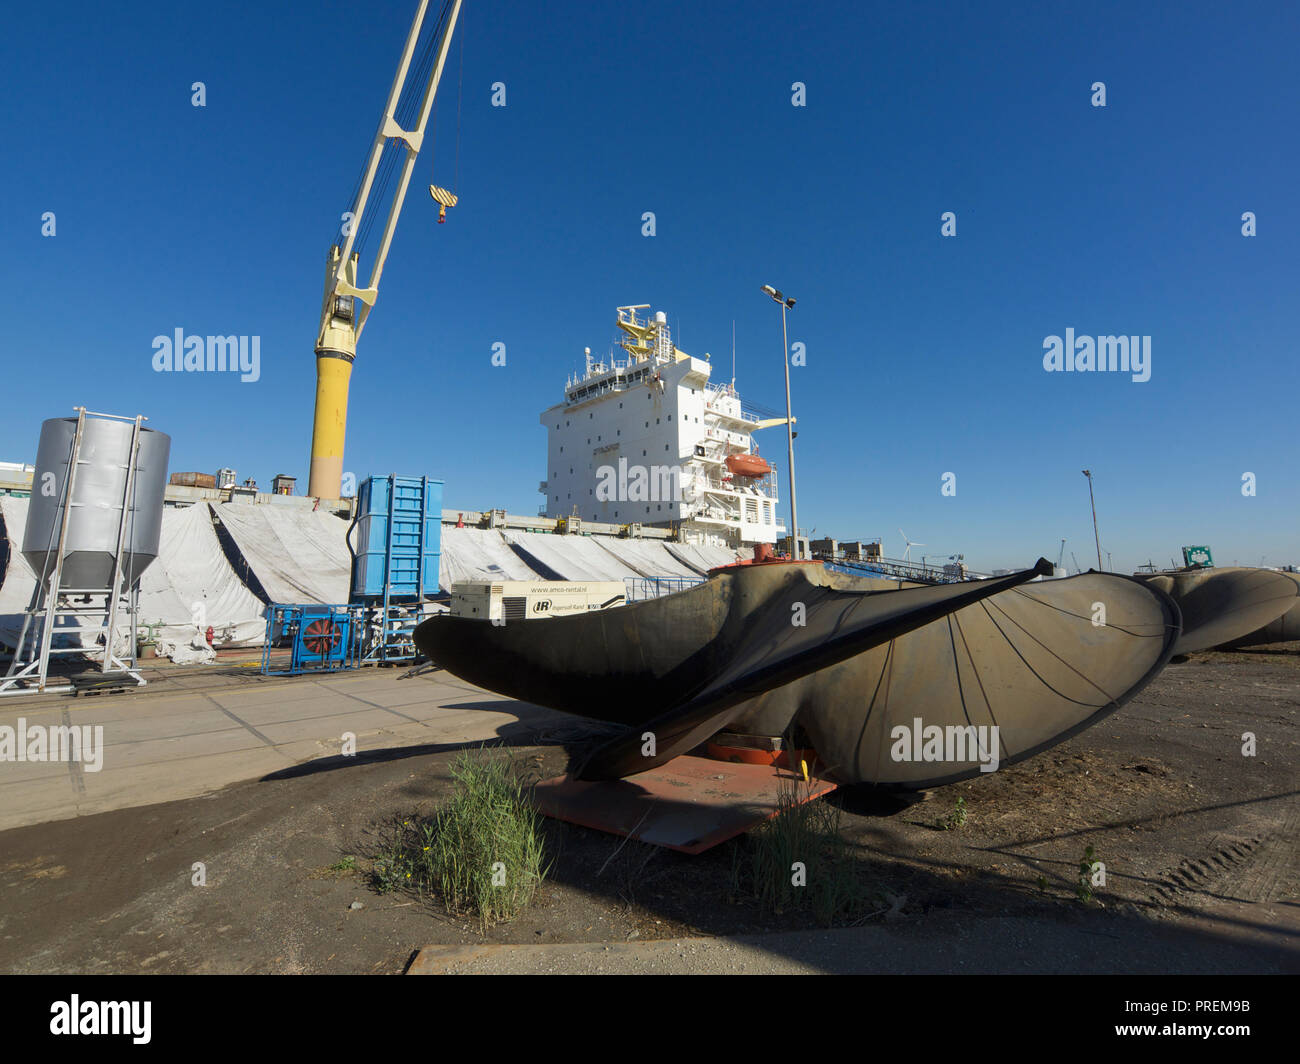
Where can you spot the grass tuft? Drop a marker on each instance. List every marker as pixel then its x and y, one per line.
pixel 481 852
pixel 954 820
pixel 799 861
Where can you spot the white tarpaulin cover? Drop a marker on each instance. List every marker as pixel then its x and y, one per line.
pixel 19 580
pixel 191 585
pixel 572 557
pixel 704 557
pixel 298 556
pixel 189 580
pixel 478 554
pixel 647 556
pixel 195 652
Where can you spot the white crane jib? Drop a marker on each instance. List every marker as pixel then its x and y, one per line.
pixel 342 320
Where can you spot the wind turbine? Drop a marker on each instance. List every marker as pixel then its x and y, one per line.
pixel 907 551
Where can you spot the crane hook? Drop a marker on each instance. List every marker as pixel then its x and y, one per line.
pixel 445 199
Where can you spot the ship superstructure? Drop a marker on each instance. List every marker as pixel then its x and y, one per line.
pixel 650 440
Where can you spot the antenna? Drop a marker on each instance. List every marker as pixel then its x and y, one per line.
pixel 733 352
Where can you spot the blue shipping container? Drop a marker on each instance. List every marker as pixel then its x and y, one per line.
pixel 396 538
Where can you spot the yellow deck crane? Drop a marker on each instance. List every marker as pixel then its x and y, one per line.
pixel 346 307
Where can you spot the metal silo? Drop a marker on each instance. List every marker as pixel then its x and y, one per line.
pixel 99 491
pixel 93 526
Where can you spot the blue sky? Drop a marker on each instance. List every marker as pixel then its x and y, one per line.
pixel 924 353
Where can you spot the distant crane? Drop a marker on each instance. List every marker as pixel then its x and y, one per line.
pixel 907 551
pixel 1060 555
pixel 1077 567
pixel 346 306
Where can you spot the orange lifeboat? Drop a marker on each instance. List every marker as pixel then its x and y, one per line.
pixel 748 465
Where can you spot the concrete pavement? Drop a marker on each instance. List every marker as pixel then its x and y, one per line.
pixel 193 731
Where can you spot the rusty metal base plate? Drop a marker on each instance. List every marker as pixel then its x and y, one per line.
pixel 690 804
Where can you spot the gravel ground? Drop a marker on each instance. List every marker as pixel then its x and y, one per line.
pixel 1199 844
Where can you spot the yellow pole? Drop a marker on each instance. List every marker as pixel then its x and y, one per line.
pixel 333 372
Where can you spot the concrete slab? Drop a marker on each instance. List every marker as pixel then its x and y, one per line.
pixel 942 943
pixel 191 734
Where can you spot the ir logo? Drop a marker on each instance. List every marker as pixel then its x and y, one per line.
pixel 798 354
pixel 948 226
pixel 1099 615
pixel 648 223
pixel 49 485
pixel 798 874
pixel 799 615
pixel 498 94
pixel 1248 224
pixel 498 354
pixel 200 876
pixel 1248 485
pixel 200 95
pixel 648 746
pixel 948 487
pixel 1248 744
pixel 1098 94
pixel 799 94
pixel 47 224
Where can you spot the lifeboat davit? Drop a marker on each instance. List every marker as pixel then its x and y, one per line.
pixel 748 465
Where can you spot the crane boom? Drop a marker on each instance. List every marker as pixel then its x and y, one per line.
pixel 346 305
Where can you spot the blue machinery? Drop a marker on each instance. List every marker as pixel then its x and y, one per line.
pixel 395 561
pixel 395 542
pixel 320 638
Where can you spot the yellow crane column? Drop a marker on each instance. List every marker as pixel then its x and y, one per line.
pixel 335 351
pixel 346 306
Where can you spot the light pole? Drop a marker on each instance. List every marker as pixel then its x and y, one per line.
pixel 786 304
pixel 1088 473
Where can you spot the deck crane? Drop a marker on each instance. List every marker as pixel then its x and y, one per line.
pixel 346 306
pixel 1060 555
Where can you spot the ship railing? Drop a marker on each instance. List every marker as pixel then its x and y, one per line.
pixel 640 588
pixel 747 417
pixel 896 568
pixel 764 487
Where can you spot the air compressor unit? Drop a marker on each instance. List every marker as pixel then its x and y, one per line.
pixel 506 601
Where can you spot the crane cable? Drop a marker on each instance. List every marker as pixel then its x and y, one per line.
pixel 460 96
pixel 433 133
pixel 405 113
